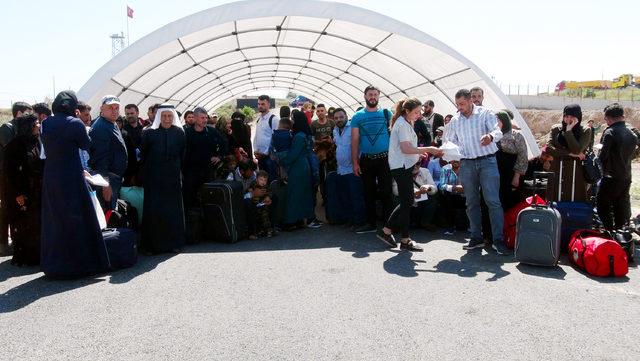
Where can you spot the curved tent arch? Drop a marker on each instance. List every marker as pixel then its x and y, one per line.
pixel 324 51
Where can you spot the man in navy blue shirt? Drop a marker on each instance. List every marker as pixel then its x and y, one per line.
pixel 369 154
pixel 108 152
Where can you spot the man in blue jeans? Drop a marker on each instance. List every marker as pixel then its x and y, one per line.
pixel 349 189
pixel 475 130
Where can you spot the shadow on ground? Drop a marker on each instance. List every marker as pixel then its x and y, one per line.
pixel 474 262
pixel 360 246
pixel 41 287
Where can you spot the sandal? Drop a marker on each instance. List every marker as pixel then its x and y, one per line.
pixel 411 246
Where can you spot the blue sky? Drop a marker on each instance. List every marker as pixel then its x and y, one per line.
pixel 527 42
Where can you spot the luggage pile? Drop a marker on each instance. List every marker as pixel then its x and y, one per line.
pixel 542 230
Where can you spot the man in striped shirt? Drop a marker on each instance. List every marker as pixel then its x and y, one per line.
pixel 475 130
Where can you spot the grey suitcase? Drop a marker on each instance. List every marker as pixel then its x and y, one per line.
pixel 538 236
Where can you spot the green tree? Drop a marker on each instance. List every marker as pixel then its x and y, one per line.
pixel 249 113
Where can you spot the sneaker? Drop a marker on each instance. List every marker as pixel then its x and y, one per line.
pixel 449 232
pixel 473 244
pixel 411 246
pixel 314 224
pixel 501 249
pixel 366 228
pixel 388 239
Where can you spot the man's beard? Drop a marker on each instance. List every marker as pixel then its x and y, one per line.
pixel 371 104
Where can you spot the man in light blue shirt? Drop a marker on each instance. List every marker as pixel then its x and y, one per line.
pixel 475 130
pixel 349 189
pixel 369 154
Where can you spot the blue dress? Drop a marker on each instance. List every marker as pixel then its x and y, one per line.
pixel 71 242
pixel 299 189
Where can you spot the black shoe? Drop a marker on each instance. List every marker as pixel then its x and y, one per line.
pixel 366 228
pixel 501 249
pixel 473 244
pixel 411 246
pixel 388 239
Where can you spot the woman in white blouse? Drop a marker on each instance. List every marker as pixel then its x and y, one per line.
pixel 403 154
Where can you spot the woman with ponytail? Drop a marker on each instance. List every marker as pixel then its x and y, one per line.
pixel 403 154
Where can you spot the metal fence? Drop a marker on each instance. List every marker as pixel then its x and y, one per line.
pixel 629 93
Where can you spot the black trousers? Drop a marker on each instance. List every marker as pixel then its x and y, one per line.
pixel 376 181
pixel 400 218
pixel 454 208
pixel 613 203
pixel 4 212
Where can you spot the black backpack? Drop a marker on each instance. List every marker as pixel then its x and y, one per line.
pixel 124 216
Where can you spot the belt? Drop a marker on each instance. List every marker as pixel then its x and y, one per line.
pixel 481 157
pixel 375 155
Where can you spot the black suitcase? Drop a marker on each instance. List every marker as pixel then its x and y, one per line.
pixel 538 236
pixel 223 211
pixel 121 246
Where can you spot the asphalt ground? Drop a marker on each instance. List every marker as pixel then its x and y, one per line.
pixel 323 294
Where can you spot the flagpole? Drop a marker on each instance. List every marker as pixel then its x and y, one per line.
pixel 127 26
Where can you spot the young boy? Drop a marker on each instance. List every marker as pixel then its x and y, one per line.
pixel 227 171
pixel 281 142
pixel 258 206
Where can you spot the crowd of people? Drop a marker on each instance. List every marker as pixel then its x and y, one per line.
pixel 381 171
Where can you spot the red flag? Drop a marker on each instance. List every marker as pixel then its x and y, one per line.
pixel 129 12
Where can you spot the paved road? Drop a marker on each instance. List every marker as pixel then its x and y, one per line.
pixel 322 295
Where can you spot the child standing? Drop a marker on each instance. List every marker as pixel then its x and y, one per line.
pixel 258 207
pixel 281 142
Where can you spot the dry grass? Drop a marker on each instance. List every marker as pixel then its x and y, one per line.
pixel 541 121
pixel 5 115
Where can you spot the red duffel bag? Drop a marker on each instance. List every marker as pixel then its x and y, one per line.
pixel 597 254
pixel 511 218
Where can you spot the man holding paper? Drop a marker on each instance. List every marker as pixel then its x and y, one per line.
pixel 475 130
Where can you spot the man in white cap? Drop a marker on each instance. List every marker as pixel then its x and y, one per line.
pixel 108 153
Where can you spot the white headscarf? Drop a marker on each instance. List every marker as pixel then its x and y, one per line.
pixel 166 107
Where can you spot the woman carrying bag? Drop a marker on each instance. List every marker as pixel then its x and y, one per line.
pixel 403 154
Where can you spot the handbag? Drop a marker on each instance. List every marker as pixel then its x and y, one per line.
pixel 592 172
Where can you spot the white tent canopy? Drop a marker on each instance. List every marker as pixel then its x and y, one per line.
pixel 325 51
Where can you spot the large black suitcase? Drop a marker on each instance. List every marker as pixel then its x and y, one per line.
pixel 223 210
pixel 121 246
pixel 538 236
